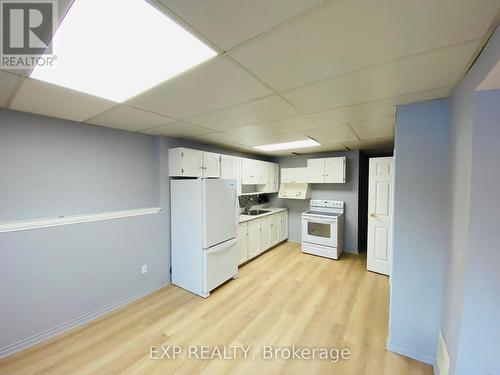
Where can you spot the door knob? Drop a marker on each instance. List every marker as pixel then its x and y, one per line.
pixel 373 215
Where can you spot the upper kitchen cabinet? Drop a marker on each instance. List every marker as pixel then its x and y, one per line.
pixel 226 167
pixel 249 172
pixel 185 162
pixel 327 170
pixel 273 181
pixel 211 165
pixel 293 175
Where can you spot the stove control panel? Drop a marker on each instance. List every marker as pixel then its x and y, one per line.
pixel 326 203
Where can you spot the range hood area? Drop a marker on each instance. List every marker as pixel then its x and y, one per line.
pixel 294 184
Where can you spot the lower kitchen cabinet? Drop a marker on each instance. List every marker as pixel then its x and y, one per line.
pixel 258 235
pixel 265 242
pixel 242 242
pixel 283 225
pixel 253 238
pixel 273 229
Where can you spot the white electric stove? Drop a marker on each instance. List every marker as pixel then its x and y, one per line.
pixel 323 228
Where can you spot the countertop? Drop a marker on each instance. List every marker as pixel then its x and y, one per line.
pixel 273 210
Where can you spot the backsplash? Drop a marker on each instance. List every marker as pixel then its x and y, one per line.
pixel 247 201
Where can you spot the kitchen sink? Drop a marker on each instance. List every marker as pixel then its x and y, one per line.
pixel 255 212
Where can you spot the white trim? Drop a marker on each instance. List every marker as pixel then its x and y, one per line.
pixel 18 225
pixel 430 360
pixel 85 318
pixel 442 356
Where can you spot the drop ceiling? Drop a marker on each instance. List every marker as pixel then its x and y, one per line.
pixel 288 70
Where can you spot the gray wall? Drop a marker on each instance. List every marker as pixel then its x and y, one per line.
pixel 420 228
pixel 463 113
pixel 461 219
pixel 478 349
pixel 347 192
pixel 51 167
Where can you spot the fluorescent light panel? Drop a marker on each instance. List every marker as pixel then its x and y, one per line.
pixel 116 49
pixel 289 145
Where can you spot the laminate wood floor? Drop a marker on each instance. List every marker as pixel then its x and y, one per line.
pixel 280 299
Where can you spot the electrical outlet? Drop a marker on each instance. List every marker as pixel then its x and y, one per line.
pixel 144 268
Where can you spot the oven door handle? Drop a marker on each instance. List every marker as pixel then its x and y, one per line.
pixel 323 221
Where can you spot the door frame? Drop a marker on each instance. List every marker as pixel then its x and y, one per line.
pixel 390 246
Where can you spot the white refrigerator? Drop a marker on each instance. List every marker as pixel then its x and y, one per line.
pixel 204 217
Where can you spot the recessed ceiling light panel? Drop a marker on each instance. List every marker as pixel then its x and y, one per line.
pixel 288 145
pixel 116 49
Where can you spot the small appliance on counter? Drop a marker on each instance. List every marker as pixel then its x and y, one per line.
pixel 204 217
pixel 323 228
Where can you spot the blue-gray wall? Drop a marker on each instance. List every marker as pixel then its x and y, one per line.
pixel 463 113
pixel 420 228
pixel 478 349
pixel 50 167
pixel 454 169
pixel 347 192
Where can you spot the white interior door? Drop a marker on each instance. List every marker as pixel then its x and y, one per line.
pixel 380 193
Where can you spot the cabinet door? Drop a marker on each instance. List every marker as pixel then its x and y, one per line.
pixel 264 233
pixel 242 242
pixel 275 170
pixel 253 238
pixel 283 225
pixel 274 229
pixel 316 171
pixel 192 162
pixel 226 167
pixel 248 172
pixel 211 165
pixel 286 175
pixel 236 171
pixel 299 175
pixel 262 173
pixel 335 170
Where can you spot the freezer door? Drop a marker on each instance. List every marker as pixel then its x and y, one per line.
pixel 220 206
pixel 220 263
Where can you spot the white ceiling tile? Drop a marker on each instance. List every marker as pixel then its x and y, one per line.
pixel 128 118
pixel 357 112
pixel 258 111
pixel 272 139
pixel 217 137
pixel 56 101
pixel 287 125
pixel 419 96
pixel 349 35
pixel 375 128
pixel 434 69
pixel 374 144
pixel 178 129
pixel 8 84
pixel 218 83
pixel 332 134
pixel 322 148
pixel 230 22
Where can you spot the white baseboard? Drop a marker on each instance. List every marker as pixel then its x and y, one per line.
pixel 45 335
pixel 430 360
pixel 442 358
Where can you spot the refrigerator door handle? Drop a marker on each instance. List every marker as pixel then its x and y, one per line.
pixel 221 247
pixel 237 205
